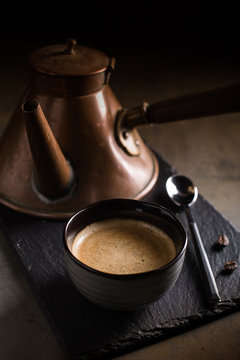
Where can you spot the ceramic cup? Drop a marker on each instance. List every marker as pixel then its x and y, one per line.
pixel 124 291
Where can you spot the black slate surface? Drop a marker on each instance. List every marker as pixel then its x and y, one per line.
pixel 85 331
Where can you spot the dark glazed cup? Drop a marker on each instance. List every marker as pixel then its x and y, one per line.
pixel 127 291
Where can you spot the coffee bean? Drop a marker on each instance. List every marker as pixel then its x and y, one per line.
pixel 223 240
pixel 230 266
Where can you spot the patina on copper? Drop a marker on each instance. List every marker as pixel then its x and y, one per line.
pixel 51 167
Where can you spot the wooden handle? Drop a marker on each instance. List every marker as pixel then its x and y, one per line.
pixel 212 102
pixel 208 103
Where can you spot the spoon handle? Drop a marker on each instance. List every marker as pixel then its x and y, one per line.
pixel 207 274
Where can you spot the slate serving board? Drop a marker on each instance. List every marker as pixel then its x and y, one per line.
pixel 86 331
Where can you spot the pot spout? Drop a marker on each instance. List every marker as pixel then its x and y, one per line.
pixel 52 175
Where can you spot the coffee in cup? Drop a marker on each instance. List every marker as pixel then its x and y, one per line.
pixel 125 239
pixel 123 246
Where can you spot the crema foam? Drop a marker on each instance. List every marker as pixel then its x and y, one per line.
pixel 123 246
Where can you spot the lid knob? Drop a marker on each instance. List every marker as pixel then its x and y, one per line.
pixel 71 46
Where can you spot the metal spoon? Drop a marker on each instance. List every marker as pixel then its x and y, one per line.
pixel 184 193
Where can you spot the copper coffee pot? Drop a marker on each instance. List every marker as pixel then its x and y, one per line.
pixel 70 143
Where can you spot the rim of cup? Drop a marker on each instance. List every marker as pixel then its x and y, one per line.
pixel 139 203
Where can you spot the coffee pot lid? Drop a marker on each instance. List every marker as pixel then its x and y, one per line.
pixel 68 60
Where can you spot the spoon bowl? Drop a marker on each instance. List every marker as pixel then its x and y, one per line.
pixel 181 190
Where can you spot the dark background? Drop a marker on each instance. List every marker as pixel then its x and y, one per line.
pixel 147 26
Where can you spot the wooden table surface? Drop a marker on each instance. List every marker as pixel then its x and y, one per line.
pixel 205 149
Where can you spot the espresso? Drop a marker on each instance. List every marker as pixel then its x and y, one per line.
pixel 123 246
